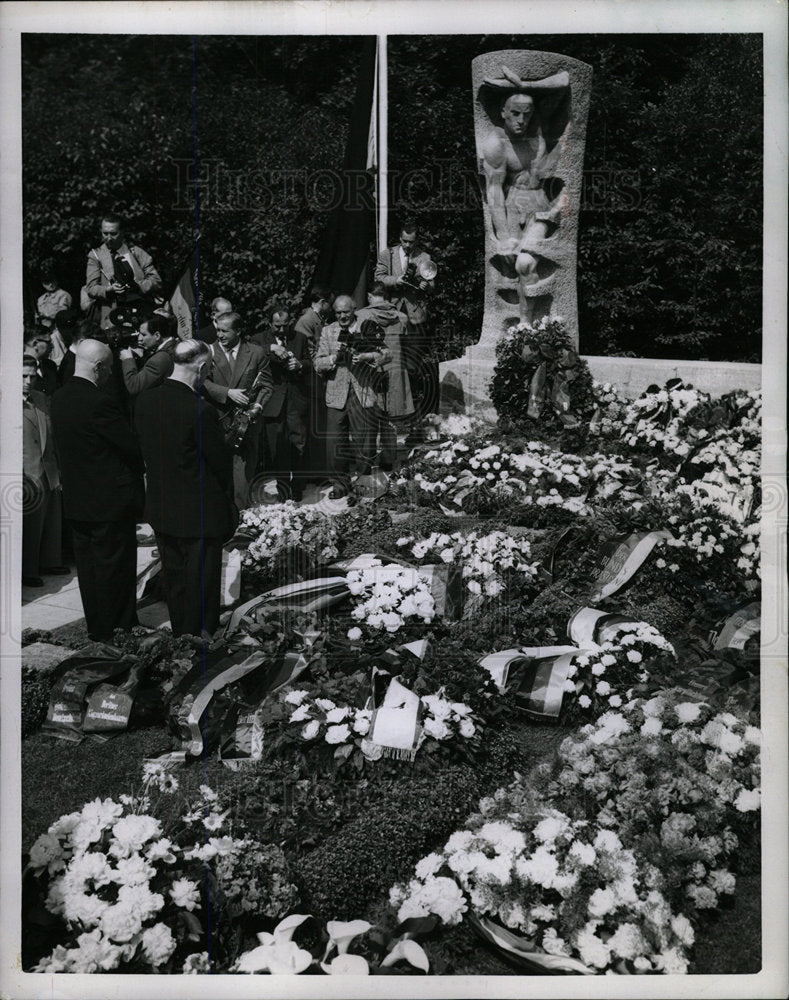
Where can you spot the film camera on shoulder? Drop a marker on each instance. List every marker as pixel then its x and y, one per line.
pixel 367 339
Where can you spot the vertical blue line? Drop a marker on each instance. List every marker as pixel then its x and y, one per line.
pixel 200 444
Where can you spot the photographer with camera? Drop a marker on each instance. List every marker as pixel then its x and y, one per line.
pixel 158 343
pixel 352 355
pixel 408 274
pixel 118 274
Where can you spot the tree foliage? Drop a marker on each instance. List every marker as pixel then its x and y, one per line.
pixel 235 138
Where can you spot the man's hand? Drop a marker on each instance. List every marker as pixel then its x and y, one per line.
pixel 126 354
pixel 293 364
pixel 238 397
pixel 400 281
pixel 255 410
pixel 117 287
pixel 369 356
pixel 279 351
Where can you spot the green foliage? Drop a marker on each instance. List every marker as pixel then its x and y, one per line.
pixel 669 254
pixel 211 136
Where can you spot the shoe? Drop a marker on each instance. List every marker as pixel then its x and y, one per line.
pixel 56 570
pixel 32 581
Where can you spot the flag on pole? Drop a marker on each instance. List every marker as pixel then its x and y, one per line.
pixel 183 299
pixel 349 238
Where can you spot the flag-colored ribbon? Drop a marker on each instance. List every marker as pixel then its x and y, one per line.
pixel 524 950
pixel 625 557
pixel 735 631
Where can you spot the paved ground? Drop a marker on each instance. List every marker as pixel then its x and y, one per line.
pixel 58 602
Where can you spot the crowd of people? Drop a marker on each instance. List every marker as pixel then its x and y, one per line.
pixel 129 417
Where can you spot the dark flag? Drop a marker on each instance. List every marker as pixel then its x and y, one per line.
pixel 183 299
pixel 348 240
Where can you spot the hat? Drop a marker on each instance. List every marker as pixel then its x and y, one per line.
pixel 130 315
pixel 66 319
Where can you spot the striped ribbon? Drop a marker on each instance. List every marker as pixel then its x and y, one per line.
pixel 735 631
pixel 626 556
pixel 524 950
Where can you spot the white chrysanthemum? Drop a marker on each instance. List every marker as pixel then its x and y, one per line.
pixel 121 922
pixel 158 944
pixel 687 711
pixel 131 832
pixel 185 893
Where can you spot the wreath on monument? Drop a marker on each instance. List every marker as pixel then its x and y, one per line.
pixel 539 377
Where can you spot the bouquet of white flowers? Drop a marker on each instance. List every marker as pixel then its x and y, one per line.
pixel 603 678
pixel 391 596
pixel 131 891
pixel 279 529
pixel 570 886
pixel 489 561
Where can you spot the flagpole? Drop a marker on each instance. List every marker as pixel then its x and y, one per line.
pixel 383 149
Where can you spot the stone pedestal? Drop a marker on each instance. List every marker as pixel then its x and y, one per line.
pixel 532 176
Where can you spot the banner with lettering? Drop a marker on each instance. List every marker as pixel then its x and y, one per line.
pixel 96 675
pixel 735 631
pixel 624 556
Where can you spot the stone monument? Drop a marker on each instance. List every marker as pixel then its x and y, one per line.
pixel 530 111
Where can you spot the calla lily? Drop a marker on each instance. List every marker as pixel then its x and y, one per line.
pixel 285 928
pixel 408 951
pixel 287 959
pixel 255 960
pixel 279 957
pixel 347 965
pixel 343 932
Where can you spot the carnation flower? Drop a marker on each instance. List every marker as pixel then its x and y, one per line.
pixel 354 634
pixel 158 944
pixel 131 832
pixel 687 711
pixel 338 734
pixel 467 728
pixel 185 893
pixel 747 801
pixel 300 714
pixel 296 697
pixel 310 731
pixel 120 922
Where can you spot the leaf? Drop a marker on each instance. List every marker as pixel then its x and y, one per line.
pixel 418 925
pixel 344 752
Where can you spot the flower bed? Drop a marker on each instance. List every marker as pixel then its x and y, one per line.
pixel 606 858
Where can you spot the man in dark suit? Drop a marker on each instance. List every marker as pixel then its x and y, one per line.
pixel 190 483
pixel 102 474
pixel 207 333
pixel 38 344
pixel 41 534
pixel 158 344
pixel 310 324
pixel 285 412
pixel 238 378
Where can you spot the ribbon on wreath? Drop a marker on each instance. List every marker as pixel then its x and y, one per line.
pixel 396 729
pixel 624 556
pixel 544 670
pixel 93 693
pixel 524 950
pixel 306 596
pixel 735 631
pixel 557 368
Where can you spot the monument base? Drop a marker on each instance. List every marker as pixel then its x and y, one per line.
pixel 465 381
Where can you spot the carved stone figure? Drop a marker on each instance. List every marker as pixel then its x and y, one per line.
pixel 530 111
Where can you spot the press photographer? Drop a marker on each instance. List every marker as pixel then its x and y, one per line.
pixel 408 275
pixel 352 356
pixel 117 273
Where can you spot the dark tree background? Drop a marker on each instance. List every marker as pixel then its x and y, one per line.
pixel 670 241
